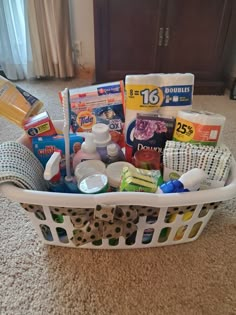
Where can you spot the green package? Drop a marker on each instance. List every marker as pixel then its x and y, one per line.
pixel 140 180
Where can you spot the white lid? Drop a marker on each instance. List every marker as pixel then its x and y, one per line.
pixel 85 172
pixel 114 171
pixel 88 146
pixel 101 134
pixel 93 184
pixel 112 149
pixel 87 166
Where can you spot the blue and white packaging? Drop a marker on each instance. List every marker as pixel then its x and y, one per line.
pixel 43 148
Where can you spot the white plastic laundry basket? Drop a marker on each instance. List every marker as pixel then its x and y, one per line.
pixel 189 211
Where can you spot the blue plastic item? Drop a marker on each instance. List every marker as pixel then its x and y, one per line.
pixel 173 186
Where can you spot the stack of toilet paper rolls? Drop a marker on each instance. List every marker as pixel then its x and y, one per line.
pixel 165 94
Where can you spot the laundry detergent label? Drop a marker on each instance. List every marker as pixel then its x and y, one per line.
pixel 101 103
pixel 187 131
pixel 86 120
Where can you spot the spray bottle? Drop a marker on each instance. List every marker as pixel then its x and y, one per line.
pixel 52 173
pixel 189 181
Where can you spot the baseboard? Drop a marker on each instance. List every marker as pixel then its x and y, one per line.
pixel 229 80
pixel 200 87
pixel 209 87
pixel 85 73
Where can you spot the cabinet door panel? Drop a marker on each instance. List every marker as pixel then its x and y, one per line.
pixel 197 32
pixel 126 37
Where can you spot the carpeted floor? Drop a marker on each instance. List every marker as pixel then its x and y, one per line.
pixel 195 278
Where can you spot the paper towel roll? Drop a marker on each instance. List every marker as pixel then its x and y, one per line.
pixel 199 127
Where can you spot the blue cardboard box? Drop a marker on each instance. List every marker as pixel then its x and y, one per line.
pixel 43 148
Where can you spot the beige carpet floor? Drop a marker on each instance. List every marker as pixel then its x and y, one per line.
pixel 194 278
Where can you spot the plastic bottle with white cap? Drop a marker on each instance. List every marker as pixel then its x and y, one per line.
pixel 114 154
pixel 102 139
pixel 189 181
pixel 87 152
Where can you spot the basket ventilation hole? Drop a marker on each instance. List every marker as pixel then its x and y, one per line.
pixel 195 229
pixel 187 216
pixel 62 235
pixel 147 236
pixel 136 221
pixel 97 243
pixel 151 219
pixel 131 239
pixel 163 237
pixel 47 234
pixel 203 212
pixel 113 241
pixel 170 217
pixel 180 232
pixel 40 215
pixel 58 218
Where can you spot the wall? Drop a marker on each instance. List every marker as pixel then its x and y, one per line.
pixel 82 29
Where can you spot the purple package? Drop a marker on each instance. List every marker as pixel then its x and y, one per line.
pixel 152 131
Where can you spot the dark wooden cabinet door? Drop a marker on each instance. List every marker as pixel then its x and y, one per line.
pixel 197 33
pixel 127 37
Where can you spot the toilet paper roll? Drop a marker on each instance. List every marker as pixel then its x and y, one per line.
pixel 178 89
pixel 165 94
pixel 200 127
pixel 161 79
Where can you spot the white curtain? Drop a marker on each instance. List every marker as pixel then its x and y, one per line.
pixel 49 25
pixel 15 49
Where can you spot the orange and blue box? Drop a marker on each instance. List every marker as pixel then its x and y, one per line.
pixel 39 125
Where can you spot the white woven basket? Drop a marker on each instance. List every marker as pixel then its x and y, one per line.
pixel 152 231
